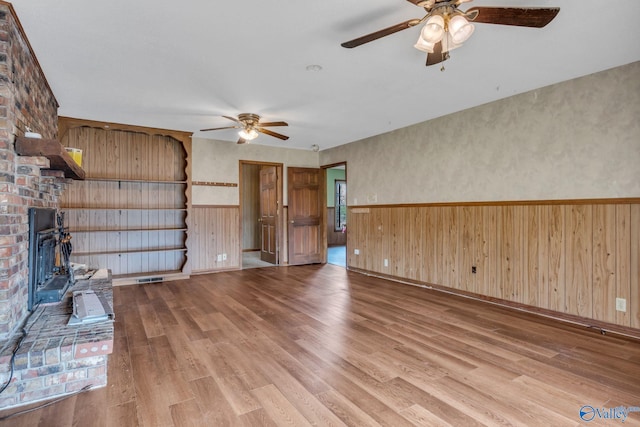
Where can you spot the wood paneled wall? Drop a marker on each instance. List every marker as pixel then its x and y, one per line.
pixel 574 258
pixel 130 214
pixel 213 232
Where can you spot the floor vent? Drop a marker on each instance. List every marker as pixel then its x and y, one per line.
pixel 151 280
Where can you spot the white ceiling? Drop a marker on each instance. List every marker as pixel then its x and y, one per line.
pixel 182 64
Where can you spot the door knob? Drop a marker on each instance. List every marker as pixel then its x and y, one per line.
pixel 292 221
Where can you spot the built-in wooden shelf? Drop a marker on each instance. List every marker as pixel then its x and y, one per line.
pixel 58 157
pixel 130 251
pixel 125 230
pixel 130 214
pixel 97 208
pixel 146 181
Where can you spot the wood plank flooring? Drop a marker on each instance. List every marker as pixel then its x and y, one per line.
pixel 318 345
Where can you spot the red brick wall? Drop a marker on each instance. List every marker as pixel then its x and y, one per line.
pixel 71 359
pixel 26 95
pixel 25 100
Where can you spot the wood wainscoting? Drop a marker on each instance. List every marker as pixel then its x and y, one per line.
pixel 215 229
pixel 572 257
pixel 214 232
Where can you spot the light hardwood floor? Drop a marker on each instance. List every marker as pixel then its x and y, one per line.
pixel 318 345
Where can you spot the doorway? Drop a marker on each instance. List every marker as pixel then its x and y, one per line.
pixel 336 185
pixel 260 213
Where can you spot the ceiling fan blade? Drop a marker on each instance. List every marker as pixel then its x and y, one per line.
pixel 242 141
pixel 437 56
pixel 274 124
pixel 381 33
pixel 271 133
pixel 232 118
pixel 518 16
pixel 226 127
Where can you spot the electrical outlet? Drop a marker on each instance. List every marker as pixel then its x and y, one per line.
pixel 356 251
pixel 224 257
pixel 386 262
pixel 621 304
pixel 474 270
pixel 219 257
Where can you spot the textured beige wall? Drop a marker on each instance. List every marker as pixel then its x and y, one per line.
pixel 573 140
pixel 219 161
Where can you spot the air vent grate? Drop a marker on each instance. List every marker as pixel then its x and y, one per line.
pixel 150 280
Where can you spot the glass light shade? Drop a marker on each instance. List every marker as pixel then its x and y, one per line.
pixel 248 134
pixel 448 44
pixel 460 29
pixel 424 45
pixel 433 30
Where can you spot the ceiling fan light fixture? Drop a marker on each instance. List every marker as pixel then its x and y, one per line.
pixel 460 29
pixel 433 30
pixel 248 134
pixel 448 44
pixel 424 45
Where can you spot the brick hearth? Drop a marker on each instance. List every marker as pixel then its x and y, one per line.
pixel 56 359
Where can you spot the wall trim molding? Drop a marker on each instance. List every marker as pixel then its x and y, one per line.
pixel 214 184
pixel 215 206
pixel 213 271
pixel 65 123
pixel 613 201
pixel 573 320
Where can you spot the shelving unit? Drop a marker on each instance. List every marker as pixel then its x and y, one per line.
pixel 131 212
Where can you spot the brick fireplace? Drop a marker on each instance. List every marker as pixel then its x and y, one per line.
pixel 53 360
pixel 26 100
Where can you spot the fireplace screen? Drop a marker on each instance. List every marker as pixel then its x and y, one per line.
pixel 48 280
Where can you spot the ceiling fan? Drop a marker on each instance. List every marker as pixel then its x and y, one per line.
pixel 250 127
pixel 447 27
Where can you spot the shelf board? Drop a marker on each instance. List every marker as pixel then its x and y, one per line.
pixel 86 208
pixel 132 251
pixel 58 157
pixel 144 181
pixel 127 230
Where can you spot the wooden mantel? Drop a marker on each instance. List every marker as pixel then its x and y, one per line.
pixel 58 157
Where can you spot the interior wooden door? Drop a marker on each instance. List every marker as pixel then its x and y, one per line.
pixel 305 224
pixel 268 214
